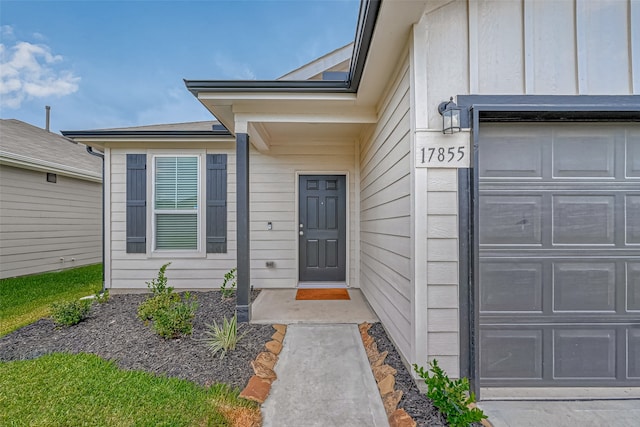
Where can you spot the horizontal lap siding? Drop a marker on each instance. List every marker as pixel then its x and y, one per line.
pixel 385 213
pixel 42 222
pixel 131 271
pixel 272 199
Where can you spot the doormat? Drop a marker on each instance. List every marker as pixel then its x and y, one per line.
pixel 322 294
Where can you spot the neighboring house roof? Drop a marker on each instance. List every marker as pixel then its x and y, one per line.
pixel 26 146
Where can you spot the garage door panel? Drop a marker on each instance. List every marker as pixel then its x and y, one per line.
pixel 633 286
pixel 633 155
pixel 584 353
pixel 583 220
pixel 633 340
pixel 511 286
pixel 584 286
pixel 583 155
pixel 513 220
pixel 513 157
pixel 632 219
pixel 511 354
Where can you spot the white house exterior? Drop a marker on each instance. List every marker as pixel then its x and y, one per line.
pixel 519 267
pixel 50 202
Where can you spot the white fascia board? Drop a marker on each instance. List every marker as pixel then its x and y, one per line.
pixel 273 96
pixel 357 117
pixel 24 162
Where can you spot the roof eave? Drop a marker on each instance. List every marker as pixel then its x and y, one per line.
pixel 262 86
pixel 164 134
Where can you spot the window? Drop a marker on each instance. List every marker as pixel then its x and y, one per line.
pixel 186 217
pixel 176 202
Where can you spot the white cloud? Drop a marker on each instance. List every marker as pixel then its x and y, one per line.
pixel 29 71
pixel 6 31
pixel 231 69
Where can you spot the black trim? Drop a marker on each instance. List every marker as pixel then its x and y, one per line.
pixel 204 134
pixel 508 108
pixel 368 16
pixel 330 86
pixel 369 10
pixel 243 256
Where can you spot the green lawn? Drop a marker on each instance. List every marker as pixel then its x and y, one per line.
pixel 85 390
pixel 25 299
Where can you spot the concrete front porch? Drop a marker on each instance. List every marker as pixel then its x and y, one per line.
pixel 281 306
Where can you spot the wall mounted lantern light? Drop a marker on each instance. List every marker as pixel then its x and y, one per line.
pixel 450 116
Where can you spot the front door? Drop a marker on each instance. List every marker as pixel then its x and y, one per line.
pixel 322 228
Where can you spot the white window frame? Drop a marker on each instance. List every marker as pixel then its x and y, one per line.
pixel 200 211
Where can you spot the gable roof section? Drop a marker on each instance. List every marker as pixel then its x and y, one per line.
pixel 338 60
pixel 174 132
pixel 29 147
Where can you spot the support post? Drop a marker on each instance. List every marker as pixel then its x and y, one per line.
pixel 243 293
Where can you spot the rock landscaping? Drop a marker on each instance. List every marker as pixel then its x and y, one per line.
pixel 113 331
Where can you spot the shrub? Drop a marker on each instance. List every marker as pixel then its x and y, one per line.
pixel 451 397
pixel 228 287
pixel 177 319
pixel 149 308
pixel 70 313
pixel 223 338
pixel 171 315
pixel 101 298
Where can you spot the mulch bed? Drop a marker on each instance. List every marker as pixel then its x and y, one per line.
pixel 114 332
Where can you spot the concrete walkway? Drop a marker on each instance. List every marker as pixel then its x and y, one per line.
pixel 593 413
pixel 324 380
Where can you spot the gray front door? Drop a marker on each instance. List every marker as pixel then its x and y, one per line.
pixel 559 255
pixel 322 228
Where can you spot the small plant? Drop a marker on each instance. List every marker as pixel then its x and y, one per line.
pixel 451 397
pixel 223 338
pixel 101 297
pixel 171 315
pixel 228 287
pixel 70 313
pixel 149 308
pixel 158 286
pixel 177 319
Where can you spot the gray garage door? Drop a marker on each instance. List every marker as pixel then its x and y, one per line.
pixel 559 215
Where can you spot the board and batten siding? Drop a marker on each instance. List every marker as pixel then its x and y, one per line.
pixel 47 226
pixel 532 47
pixel 272 199
pixel 508 47
pixel 385 212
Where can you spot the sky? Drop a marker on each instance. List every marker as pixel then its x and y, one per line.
pixel 104 64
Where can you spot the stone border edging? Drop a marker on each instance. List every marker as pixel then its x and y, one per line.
pixel 386 380
pixel 259 385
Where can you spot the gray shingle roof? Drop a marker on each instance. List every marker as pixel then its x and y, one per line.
pixel 24 145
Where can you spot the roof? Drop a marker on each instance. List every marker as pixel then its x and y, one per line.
pixel 30 147
pixel 168 127
pixel 337 60
pixel 173 132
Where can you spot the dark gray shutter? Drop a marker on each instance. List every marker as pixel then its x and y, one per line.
pixel 216 203
pixel 136 203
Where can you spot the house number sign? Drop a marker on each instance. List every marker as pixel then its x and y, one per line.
pixel 442 151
